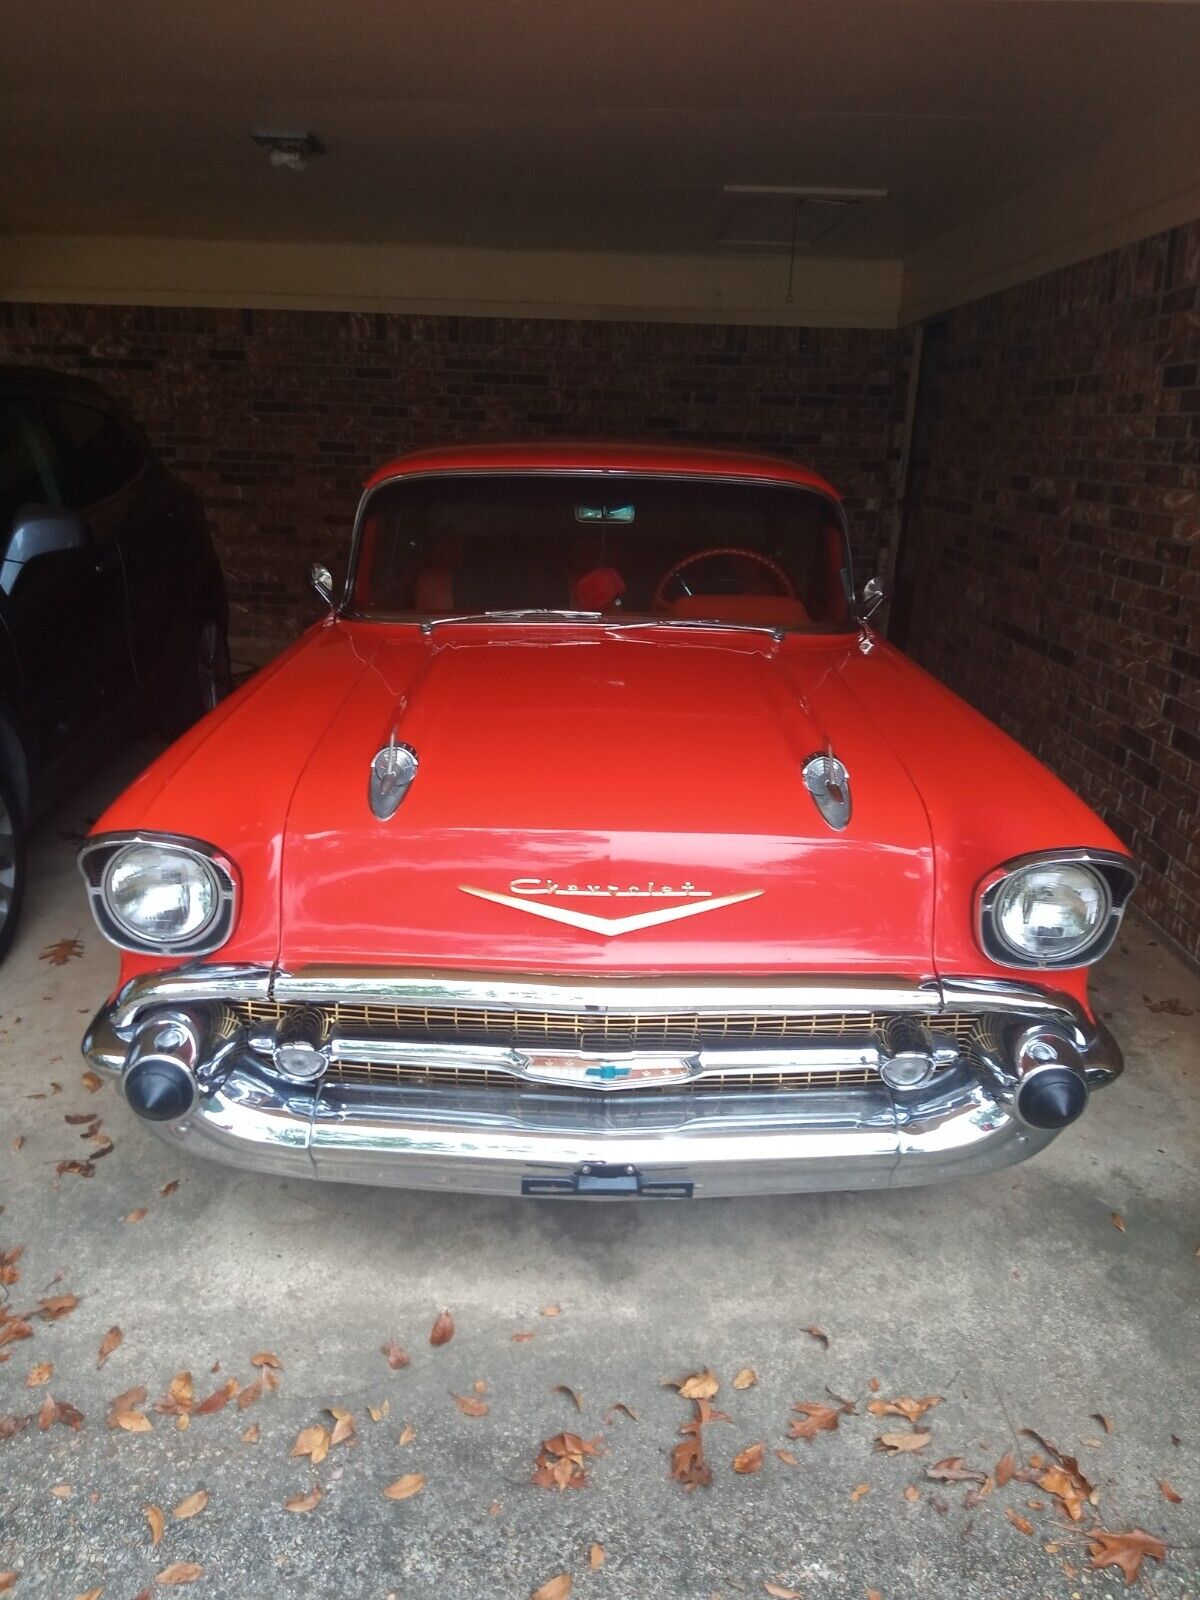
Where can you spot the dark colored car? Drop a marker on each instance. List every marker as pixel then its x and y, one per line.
pixel 112 604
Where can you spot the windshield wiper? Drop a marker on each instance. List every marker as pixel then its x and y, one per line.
pixel 529 613
pixel 694 622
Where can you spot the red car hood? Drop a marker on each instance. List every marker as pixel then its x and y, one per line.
pixel 618 802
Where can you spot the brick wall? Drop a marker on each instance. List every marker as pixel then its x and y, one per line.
pixel 275 416
pixel 1058 542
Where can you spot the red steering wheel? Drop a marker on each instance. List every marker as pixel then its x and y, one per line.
pixel 660 602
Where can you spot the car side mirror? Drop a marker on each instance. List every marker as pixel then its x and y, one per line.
pixel 322 581
pixel 872 597
pixel 39 530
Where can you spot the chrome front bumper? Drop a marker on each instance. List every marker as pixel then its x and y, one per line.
pixel 542 1139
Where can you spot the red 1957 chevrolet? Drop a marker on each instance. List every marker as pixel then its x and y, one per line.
pixel 593 844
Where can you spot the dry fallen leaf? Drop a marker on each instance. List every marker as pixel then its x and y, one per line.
pixel 571 1394
pixel 154 1516
pixel 443 1329
pixel 406 1435
pixel 91 1081
pixel 265 1358
pixel 91 1594
pixel 312 1442
pixel 1105 1422
pixel 56 1306
pixel 1165 1489
pixel 912 1493
pixel 180 1395
pixel 550 1311
pixel 818 1418
pixel 63 1491
pixel 108 1344
pixel 304 1502
pixel 1005 1468
pixel 191 1505
pixel 619 1406
pixel 396 1358
pixel 470 1407
pixel 523 1338
pixel 1118 1222
pixel 596 1556
pixel 556 1588
pixel 858 1491
pixel 218 1399
pixel 911 1410
pixel 788 1459
pixel 1022 1524
pixel 62 951
pixel 251 1393
pixel 138 1215
pixel 902 1443
pixel 168 1189
pixel 7 1579
pixel 40 1374
pixel 131 1421
pixel 252 1434
pixel 697 1386
pixel 749 1460
pixel 746 1378
pixel 343 1425
pixel 377 1413
pixel 778 1592
pixel 1125 1551
pixel 404 1488
pixel 179 1572
pixel 819 1335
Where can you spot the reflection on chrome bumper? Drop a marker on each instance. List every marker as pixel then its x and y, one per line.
pixel 535 1139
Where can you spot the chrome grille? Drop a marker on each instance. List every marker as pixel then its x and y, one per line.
pixel 770 1080
pixel 603 1030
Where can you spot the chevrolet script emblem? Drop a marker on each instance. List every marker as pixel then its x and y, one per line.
pixel 538 896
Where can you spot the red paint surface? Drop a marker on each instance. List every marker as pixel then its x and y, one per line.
pixel 592 757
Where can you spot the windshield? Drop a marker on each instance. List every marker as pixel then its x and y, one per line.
pixel 621 545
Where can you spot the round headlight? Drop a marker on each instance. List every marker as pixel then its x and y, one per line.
pixel 161 895
pixel 1052 913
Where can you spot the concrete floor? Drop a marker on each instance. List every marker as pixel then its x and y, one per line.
pixel 1014 1296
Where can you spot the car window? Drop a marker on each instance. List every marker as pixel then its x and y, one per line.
pixel 97 457
pixel 24 475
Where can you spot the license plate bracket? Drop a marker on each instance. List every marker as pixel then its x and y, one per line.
pixel 603 1180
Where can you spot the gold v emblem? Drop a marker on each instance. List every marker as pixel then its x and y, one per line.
pixel 610 927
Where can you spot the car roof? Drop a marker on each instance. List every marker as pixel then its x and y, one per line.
pixel 555 456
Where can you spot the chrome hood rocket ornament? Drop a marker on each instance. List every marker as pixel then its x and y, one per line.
pixel 392 772
pixel 827 780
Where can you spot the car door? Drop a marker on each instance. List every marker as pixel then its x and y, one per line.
pixel 66 614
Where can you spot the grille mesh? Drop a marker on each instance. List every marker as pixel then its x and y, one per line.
pixel 643 1030
pixel 440 1077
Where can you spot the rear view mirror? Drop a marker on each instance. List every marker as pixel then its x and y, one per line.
pixel 38 530
pixel 322 582
pixel 872 597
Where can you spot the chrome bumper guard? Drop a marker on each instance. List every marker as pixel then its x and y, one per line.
pixel 606 1140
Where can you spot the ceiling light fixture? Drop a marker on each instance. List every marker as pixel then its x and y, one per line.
pixel 292 151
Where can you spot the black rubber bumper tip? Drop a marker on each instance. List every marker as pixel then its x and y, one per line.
pixel 1052 1097
pixel 159 1090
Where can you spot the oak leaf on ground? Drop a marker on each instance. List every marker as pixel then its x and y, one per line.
pixel 396 1358
pixel 470 1406
pixel 62 951
pixel 905 1406
pixel 40 1374
pixel 1125 1551
pixel 404 1488
pixel 179 1572
pixel 191 1505
pixel 312 1442
pixel 701 1385
pixel 596 1556
pixel 818 1418
pixel 556 1588
pixel 1165 1489
pixel 749 1460
pixel 157 1521
pixel 443 1329
pixel 304 1502
pixel 897 1444
pixel 108 1344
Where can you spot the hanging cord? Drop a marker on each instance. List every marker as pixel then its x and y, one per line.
pixel 796 204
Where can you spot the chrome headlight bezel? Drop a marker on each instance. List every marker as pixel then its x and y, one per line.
pixel 1116 876
pixel 98 856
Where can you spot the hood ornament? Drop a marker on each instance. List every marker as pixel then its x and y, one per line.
pixel 392 772
pixel 827 780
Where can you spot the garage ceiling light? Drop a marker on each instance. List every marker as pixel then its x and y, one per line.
pixel 787 214
pixel 291 150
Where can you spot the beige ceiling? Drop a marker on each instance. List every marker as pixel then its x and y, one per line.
pixel 581 125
